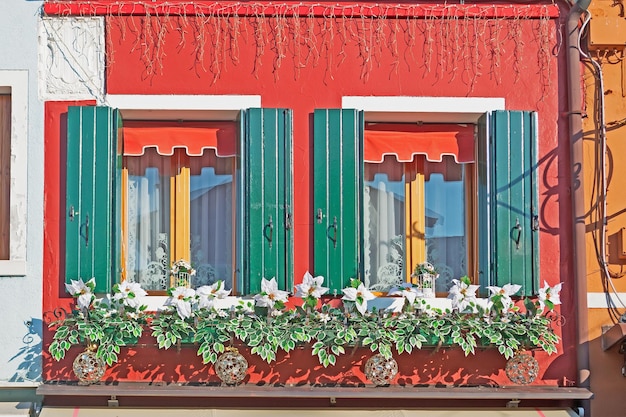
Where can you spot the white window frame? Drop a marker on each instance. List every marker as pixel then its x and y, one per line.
pixel 406 109
pixel 15 82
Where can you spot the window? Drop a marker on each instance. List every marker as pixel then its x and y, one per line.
pixel 216 193
pixel 472 212
pixel 5 175
pixel 178 201
pixel 416 197
pixel 13 174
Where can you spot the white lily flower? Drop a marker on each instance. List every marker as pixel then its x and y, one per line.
pixel 550 295
pixel 359 295
pixel 208 293
pixel 311 287
pixel 323 317
pixel 181 299
pixel 396 306
pixel 82 291
pixel 462 294
pixel 129 293
pixel 270 294
pixel 407 291
pixel 505 292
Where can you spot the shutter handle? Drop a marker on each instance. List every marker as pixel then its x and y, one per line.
pixel 518 228
pixel 333 226
pixel 288 222
pixel 85 228
pixel 72 213
pixel 268 231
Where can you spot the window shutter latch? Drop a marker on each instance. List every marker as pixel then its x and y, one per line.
pixel 535 224
pixel 268 231
pixel 517 228
pixel 333 237
pixel 84 231
pixel 72 213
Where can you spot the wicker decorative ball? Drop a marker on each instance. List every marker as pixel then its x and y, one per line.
pixel 231 367
pixel 522 369
pixel 381 371
pixel 88 367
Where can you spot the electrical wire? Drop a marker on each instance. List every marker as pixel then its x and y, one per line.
pixel 600 243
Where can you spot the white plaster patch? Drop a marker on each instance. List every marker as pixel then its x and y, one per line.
pixel 71 58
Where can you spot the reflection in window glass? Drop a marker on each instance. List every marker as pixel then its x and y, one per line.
pixel 384 229
pixel 212 227
pixel 445 225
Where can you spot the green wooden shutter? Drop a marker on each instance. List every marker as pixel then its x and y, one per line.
pixel 267 246
pixel 92 213
pixel 337 187
pixel 508 200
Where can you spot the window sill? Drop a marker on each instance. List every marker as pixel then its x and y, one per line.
pixel 12 268
pixel 157 302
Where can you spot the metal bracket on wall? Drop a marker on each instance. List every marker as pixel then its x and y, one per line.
pixel 113 402
pixel 514 403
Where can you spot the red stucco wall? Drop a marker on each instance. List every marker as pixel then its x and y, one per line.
pixel 528 73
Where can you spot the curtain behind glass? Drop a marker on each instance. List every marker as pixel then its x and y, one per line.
pixel 148 220
pixel 212 226
pixel 384 225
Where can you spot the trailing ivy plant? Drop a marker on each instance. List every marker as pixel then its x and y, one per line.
pixel 266 326
pixel 108 323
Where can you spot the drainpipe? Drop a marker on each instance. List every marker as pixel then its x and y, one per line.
pixel 577 190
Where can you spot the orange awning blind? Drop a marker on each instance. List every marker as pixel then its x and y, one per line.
pixel 165 136
pixel 404 141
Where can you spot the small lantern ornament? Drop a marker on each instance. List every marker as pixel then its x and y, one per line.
pixel 381 371
pixel 426 275
pixel 181 273
pixel 522 368
pixel 88 367
pixel 231 367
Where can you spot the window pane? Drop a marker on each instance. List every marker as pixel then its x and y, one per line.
pixel 148 221
pixel 446 231
pixel 384 207
pixel 212 226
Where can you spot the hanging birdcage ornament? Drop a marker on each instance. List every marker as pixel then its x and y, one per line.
pixel 88 367
pixel 380 370
pixel 181 273
pixel 522 368
pixel 231 367
pixel 426 275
